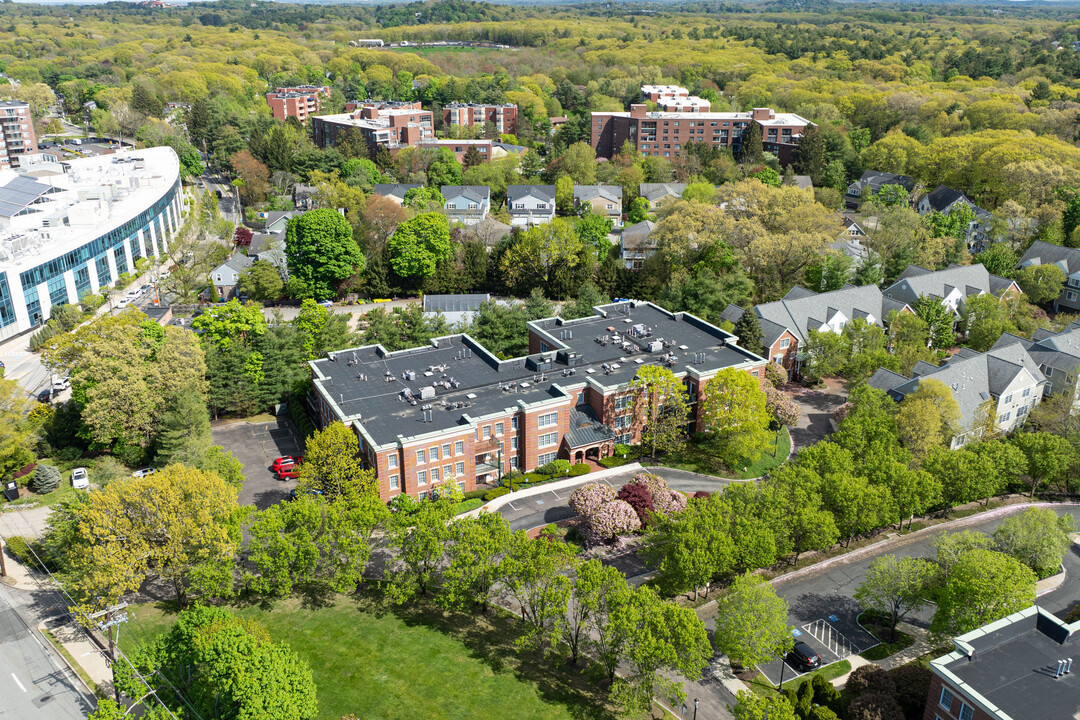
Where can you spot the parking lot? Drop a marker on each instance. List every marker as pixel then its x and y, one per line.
pixel 256 445
pixel 834 636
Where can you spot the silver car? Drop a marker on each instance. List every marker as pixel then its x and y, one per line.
pixel 80 479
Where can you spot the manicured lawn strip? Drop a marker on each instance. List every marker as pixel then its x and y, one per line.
pixel 380 661
pixel 763 687
pixel 887 647
pixel 696 457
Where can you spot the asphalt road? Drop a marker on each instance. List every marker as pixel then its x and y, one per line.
pixel 552 506
pixel 34 683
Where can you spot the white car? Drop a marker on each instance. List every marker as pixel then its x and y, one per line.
pixel 80 479
pixel 61 384
pixel 143 472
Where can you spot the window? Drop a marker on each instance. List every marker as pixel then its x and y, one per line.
pixel 548 439
pixel 621 422
pixel 446 450
pixel 420 459
pixel 547 420
pixel 623 401
pixel 447 471
pixel 487 431
pixel 461 486
pixel 391 461
pixel 459 447
pixel 514 423
pixel 421 478
pixel 966 711
pixel 1021 411
pixel 1004 418
pixel 1026 393
pixel 1070 295
pixel 1007 399
pixel 513 463
pixel 784 343
pixel 498 428
pixel 513 443
pixel 393 482
pixel 434 453
pixel 460 468
pixel 434 475
pixel 422 496
pixel 946 698
pixel 545 459
pixel 1074 282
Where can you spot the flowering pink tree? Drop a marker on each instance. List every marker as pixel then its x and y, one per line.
pixel 589 497
pixel 665 500
pixel 783 409
pixel 842 411
pixel 611 520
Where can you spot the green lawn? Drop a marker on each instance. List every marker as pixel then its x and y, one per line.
pixel 698 457
pixel 395 663
pixel 880 629
pixel 761 686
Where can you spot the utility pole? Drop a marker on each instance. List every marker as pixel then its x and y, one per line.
pixel 3 568
pixel 114 617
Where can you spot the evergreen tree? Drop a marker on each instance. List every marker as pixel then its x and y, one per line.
pixel 472 158
pixel 810 155
pixel 748 330
pixel 751 152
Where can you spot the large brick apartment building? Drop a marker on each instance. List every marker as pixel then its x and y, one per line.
pixel 16 132
pixel 502 116
pixel 300 102
pixel 452 410
pixel 391 124
pixel 682 118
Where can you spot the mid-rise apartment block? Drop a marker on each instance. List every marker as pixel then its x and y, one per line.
pixel 502 116
pixel 451 411
pixel 1017 668
pixel 393 125
pixel 300 102
pixel 16 132
pixel 683 119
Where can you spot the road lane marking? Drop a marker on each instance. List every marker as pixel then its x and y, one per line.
pixel 17 682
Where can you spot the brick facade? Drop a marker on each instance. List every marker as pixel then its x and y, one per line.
pixel 935 711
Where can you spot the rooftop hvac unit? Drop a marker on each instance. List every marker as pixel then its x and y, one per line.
pixel 656 346
pixel 410 374
pixel 426 393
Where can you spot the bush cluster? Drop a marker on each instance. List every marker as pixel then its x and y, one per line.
pixel 496 492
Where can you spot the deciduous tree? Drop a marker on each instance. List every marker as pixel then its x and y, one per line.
pixel 752 622
pixel 734 412
pixel 982 586
pixel 664 408
pixel 1037 537
pixel 896 587
pixel 332 463
pixel 321 252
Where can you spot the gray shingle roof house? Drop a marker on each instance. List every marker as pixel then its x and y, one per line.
pixel 1057 355
pixel 530 204
pixel 953 285
pixel 605 200
pixel 875 179
pixel 468 204
pixel 803 182
pixel 944 200
pixel 1006 376
pixel 278 220
pixel 636 245
pixel 1068 259
pixel 786 323
pixel 225 275
pixel 489 231
pixel 659 193
pixel 394 191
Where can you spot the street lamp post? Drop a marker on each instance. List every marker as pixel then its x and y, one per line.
pixel 695 708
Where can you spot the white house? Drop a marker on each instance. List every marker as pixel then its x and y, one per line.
pixel 953 285
pixel 530 205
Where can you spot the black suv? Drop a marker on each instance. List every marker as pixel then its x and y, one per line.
pixel 803 657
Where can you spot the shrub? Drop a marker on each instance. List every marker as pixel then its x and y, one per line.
pixel 640 498
pixel 474 494
pixel 534 477
pixel 497 492
pixel 19 549
pixel 774 375
pixel 870 679
pixel 665 500
pixel 405 504
pixel 589 497
pixel 612 519
pixel 874 706
pixel 69 454
pixel 702 494
pixel 579 469
pixel 108 469
pixel 611 462
pixel 46 479
pixel 555 468
pixel 621 449
pixel 912 686
pixel 842 411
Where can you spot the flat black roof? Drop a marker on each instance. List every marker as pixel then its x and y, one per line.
pixel 1011 664
pixel 460 381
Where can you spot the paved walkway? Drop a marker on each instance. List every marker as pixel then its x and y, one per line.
pixel 920 647
pixel 817 408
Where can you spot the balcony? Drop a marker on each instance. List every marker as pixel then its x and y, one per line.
pixel 490 444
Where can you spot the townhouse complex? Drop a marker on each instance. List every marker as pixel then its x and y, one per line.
pixel 73 227
pixel 451 411
pixel 681 118
pixel 300 102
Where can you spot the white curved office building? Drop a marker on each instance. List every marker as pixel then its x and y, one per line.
pixel 70 228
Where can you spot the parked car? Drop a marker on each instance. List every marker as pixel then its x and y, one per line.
pixel 143 472
pixel 286 461
pixel 804 657
pixel 80 479
pixel 1 369
pixel 45 396
pixel 288 472
pixel 292 493
pixel 327 303
pixel 61 384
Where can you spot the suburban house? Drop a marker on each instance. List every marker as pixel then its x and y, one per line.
pixel 852 228
pixel 488 231
pixel 468 204
pixel 394 191
pixel 1068 259
pixel 1015 668
pixel 277 220
pixel 659 194
pixel 605 200
pixel 225 276
pixel 953 286
pixel 803 182
pixel 944 200
pixel 786 323
pixel 449 411
pixel 530 204
pixel 304 197
pixel 1057 355
pixel 269 247
pixel 1006 377
pixel 455 309
pixel 637 244
pixel 874 180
